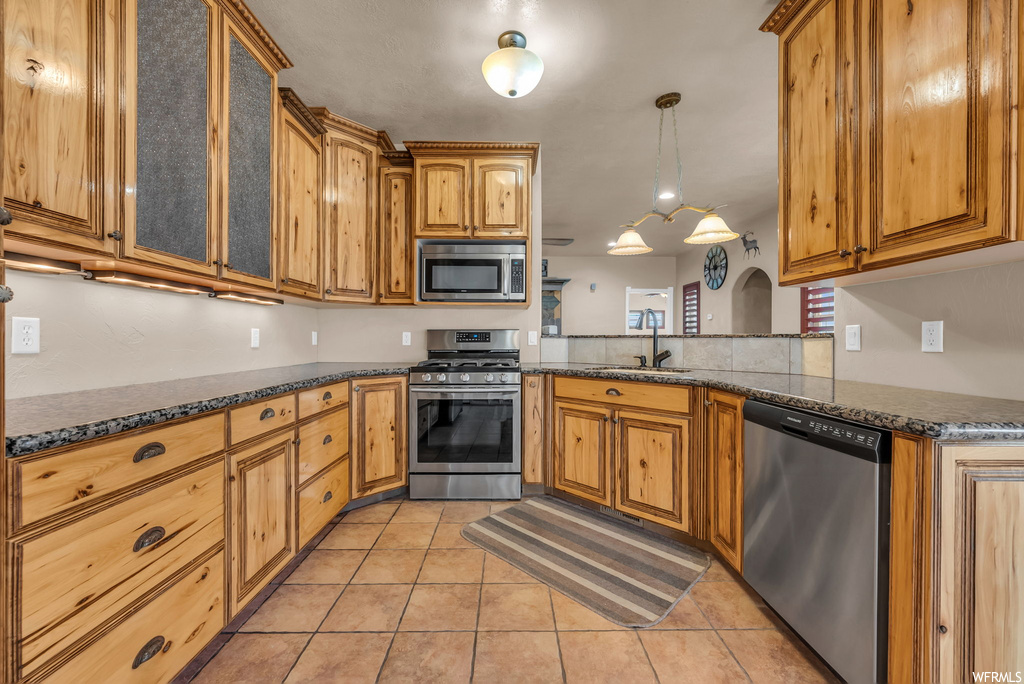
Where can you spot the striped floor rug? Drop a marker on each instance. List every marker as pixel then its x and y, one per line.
pixel 630 576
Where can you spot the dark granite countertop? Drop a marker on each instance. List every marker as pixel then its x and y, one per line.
pixel 940 415
pixel 52 420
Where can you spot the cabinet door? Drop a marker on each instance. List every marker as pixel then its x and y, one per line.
pixel 397 247
pixel 349 179
pixel 247 239
pixel 442 198
pixel 300 208
pixel 533 429
pixel 937 147
pixel 816 173
pixel 60 120
pixel 725 475
pixel 501 198
pixel 582 451
pixel 380 439
pixel 170 143
pixel 652 467
pixel 262 510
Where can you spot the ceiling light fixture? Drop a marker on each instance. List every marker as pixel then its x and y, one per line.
pixel 666 195
pixel 710 229
pixel 512 71
pixel 248 298
pixel 25 262
pixel 136 280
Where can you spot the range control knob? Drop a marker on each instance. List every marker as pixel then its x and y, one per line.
pixel 425 377
pixel 464 377
pixel 441 377
pixel 489 377
pixel 504 377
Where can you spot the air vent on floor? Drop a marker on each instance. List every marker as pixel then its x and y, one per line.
pixel 622 516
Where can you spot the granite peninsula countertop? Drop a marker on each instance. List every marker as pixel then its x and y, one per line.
pixel 53 420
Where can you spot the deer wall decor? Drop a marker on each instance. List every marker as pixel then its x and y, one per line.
pixel 749 245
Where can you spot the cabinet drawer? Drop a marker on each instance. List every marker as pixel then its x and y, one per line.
pixel 159 639
pixel 670 398
pixel 75 577
pixel 320 399
pixel 321 500
pixel 81 475
pixel 254 420
pixel 322 442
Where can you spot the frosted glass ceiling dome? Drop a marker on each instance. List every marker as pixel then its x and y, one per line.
pixel 512 71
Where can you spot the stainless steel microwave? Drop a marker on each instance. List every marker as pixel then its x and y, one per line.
pixel 472 272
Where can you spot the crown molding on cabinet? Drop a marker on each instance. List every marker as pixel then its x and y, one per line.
pixel 245 16
pixel 441 148
pixel 782 15
pixel 294 104
pixel 340 123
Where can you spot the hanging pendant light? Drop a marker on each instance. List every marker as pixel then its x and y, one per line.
pixel 512 71
pixel 710 229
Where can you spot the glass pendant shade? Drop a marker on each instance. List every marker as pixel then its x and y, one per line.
pixel 630 243
pixel 512 71
pixel 710 230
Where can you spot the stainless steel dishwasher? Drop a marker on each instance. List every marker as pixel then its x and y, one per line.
pixel 816 531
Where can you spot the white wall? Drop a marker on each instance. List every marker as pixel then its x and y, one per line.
pixel 101 335
pixel 983 314
pixel 602 311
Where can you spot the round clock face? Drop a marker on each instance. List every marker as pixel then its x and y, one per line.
pixel 716 265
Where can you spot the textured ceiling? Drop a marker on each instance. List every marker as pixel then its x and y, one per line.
pixel 412 67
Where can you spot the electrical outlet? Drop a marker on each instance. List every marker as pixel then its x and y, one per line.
pixel 314 338
pixel 255 338
pixel 406 339
pixel 711 317
pixel 931 336
pixel 531 338
pixel 24 335
pixel 853 338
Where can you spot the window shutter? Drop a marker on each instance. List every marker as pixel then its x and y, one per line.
pixel 691 309
pixel 817 310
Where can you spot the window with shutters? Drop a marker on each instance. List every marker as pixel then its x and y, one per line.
pixel 817 310
pixel 691 309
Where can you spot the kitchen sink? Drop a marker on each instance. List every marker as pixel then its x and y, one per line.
pixel 636 369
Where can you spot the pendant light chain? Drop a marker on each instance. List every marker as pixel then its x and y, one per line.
pixel 679 161
pixel 657 169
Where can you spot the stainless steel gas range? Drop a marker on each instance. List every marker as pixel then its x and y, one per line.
pixel 465 422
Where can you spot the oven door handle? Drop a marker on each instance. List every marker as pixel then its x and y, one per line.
pixel 466 390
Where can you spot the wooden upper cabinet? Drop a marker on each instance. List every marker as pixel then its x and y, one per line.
pixel 725 475
pixel 300 177
pixel 380 437
pixel 350 179
pixel 582 451
pixel 397 247
pixel 816 201
pixel 60 118
pixel 652 456
pixel 501 198
pixel 443 198
pixel 937 103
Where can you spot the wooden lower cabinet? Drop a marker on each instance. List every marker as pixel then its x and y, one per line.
pixel 262 535
pixel 533 441
pixel 322 499
pixel 725 475
pixel 582 451
pixel 380 436
pixel 652 457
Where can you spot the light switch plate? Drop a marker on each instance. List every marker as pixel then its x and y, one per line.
pixel 931 336
pixel 24 335
pixel 853 338
pixel 531 338
pixel 254 340
pixel 406 339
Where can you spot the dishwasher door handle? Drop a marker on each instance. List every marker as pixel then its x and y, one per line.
pixel 800 434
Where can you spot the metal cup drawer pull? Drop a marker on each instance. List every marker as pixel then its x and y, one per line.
pixel 152 647
pixel 151 450
pixel 267 413
pixel 327 497
pixel 148 538
pixel 614 392
pixel 328 396
pixel 328 439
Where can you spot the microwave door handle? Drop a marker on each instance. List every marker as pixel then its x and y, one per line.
pixel 506 277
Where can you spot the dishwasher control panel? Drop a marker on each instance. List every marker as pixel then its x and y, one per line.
pixel 844 433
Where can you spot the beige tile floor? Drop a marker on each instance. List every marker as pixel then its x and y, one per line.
pixel 393 593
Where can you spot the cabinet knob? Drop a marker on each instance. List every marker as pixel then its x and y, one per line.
pixel 860 249
pixel 217 262
pixel 356 388
pixel 37 204
pixel 843 253
pixel 148 538
pixel 328 439
pixel 284 281
pixel 151 450
pixel 6 294
pixel 942 629
pixel 329 291
pixel 327 497
pixel 476 227
pixel 147 652
pixel 116 235
pixel 465 227
pixel 5 217
pixel 297 442
pixel 707 403
pixel 227 265
pixel 605 419
pixel 615 421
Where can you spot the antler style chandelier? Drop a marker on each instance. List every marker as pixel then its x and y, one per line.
pixel 711 228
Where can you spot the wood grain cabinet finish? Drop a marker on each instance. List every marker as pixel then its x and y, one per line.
pixel 60 121
pixel 534 419
pixel 260 418
pixel 323 398
pixel 582 451
pixel 443 197
pixel 322 499
pixel 673 399
pixel 501 198
pixel 380 436
pixel 397 247
pixel 652 454
pixel 322 442
pixel 979 617
pixel 300 177
pixel 156 641
pixel 724 421
pixel 262 504
pixel 77 476
pixel 81 574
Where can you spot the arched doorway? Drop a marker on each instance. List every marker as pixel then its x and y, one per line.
pixel 752 303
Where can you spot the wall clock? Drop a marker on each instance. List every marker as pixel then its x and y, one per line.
pixel 716 265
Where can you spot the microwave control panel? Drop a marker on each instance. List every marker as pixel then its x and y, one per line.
pixel 517 278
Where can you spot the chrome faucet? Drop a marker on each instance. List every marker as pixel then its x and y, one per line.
pixel 659 356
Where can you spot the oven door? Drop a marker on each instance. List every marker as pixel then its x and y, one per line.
pixel 464 277
pixel 465 430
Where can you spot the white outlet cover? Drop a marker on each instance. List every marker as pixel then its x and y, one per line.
pixel 853 338
pixel 531 338
pixel 406 339
pixel 24 335
pixel 254 340
pixel 711 316
pixel 314 338
pixel 931 336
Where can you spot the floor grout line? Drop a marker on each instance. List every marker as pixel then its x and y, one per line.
pixel 558 641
